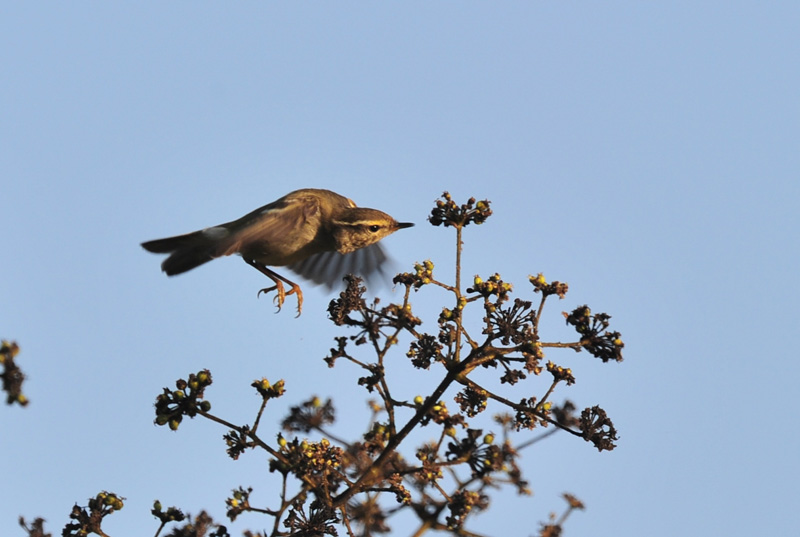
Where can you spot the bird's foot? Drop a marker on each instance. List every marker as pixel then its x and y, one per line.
pixel 280 297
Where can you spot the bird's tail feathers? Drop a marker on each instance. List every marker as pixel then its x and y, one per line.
pixel 186 251
pixel 170 244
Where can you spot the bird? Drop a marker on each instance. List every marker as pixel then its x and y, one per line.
pixel 316 233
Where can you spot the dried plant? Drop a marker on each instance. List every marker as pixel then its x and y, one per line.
pixel 485 351
pixel 12 376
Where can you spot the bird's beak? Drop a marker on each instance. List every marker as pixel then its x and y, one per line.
pixel 403 225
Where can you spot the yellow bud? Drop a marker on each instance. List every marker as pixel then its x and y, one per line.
pixel 418 400
pixel 488 439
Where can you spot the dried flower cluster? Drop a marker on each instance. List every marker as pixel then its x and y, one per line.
pixel 12 376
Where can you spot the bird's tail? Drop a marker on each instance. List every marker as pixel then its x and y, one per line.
pixel 186 251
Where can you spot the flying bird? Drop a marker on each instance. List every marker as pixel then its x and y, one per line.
pixel 315 233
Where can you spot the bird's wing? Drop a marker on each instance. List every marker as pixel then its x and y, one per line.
pixel 329 268
pixel 285 217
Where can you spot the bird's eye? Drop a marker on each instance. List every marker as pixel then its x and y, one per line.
pixel 374 229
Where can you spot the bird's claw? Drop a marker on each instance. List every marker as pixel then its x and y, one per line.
pixel 280 296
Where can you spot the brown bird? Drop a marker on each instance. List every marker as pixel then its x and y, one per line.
pixel 316 233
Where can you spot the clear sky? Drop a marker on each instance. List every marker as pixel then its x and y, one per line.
pixel 646 153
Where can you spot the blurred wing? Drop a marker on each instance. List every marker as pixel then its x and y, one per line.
pixel 329 268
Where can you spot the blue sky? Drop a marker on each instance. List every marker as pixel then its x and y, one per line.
pixel 647 154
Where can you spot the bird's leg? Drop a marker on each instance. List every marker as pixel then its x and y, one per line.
pixel 278 287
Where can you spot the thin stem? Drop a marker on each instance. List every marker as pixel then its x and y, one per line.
pixel 557 345
pixel 424 527
pixel 532 441
pixel 441 491
pixel 346 520
pixel 538 315
pixel 459 328
pixel 258 416
pixel 549 391
pixel 331 436
pixel 459 246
